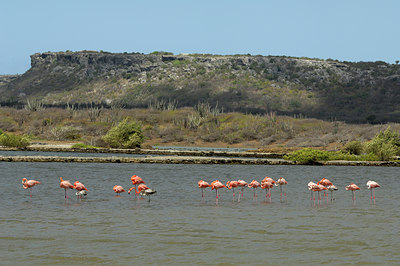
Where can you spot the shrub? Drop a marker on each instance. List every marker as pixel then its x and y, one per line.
pixel 353 147
pixel 84 146
pixel 308 155
pixel 127 134
pixel 11 140
pixel 385 144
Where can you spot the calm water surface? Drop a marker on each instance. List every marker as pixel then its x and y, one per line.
pixel 178 227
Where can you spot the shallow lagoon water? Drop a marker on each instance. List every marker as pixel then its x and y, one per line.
pixel 178 227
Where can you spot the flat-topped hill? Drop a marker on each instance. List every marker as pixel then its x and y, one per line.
pixel 325 89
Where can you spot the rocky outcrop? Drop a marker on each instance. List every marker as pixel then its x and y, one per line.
pixel 5 79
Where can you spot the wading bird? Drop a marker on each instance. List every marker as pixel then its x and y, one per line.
pixel 80 187
pixel 242 184
pixel 203 184
pixel 65 184
pixel 281 182
pixel 332 188
pixel 118 189
pixel 267 186
pixel 326 183
pixel 371 186
pixel 29 184
pixel 353 187
pixel 311 186
pixel 216 184
pixel 254 184
pixel 139 189
pixel 231 185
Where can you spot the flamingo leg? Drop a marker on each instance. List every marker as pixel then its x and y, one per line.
pixel 30 192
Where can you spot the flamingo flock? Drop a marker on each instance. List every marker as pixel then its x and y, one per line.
pixel 141 189
pixel 267 183
pixel 81 191
pixel 324 185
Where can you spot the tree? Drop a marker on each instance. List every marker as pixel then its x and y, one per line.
pixel 127 134
pixel 385 144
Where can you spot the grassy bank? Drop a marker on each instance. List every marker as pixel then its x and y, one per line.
pixel 203 125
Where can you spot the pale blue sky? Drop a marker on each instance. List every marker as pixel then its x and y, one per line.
pixel 351 30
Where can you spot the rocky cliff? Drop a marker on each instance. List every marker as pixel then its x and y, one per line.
pixel 328 89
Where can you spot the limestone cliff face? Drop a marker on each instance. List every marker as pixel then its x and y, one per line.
pixel 364 91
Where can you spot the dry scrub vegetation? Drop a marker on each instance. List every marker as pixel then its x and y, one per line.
pixel 200 126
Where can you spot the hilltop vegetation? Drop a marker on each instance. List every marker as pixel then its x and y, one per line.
pixel 364 92
pixel 204 125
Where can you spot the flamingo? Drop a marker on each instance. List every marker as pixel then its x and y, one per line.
pixel 118 189
pixel 254 184
pixel 80 187
pixel 371 186
pixel 136 180
pixel 203 184
pixel 216 184
pixel 326 183
pixel 139 188
pixel 143 190
pixel 311 186
pixel 353 187
pixel 268 179
pixel 231 185
pixel 267 185
pixel 65 184
pixel 332 188
pixel 242 184
pixel 319 187
pixel 29 184
pixel 281 182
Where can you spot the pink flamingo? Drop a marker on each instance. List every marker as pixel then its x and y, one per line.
pixel 139 188
pixel 281 182
pixel 65 184
pixel 29 184
pixel 216 184
pixel 143 190
pixel 267 185
pixel 118 189
pixel 319 188
pixel 242 184
pixel 79 187
pixel 268 179
pixel 203 184
pixel 371 186
pixel 254 184
pixel 353 187
pixel 325 182
pixel 231 185
pixel 311 186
